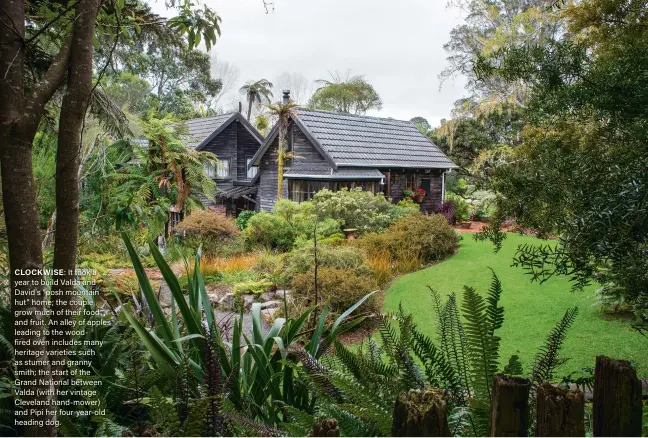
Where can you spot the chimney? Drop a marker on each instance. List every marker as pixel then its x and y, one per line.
pixel 240 107
pixel 286 97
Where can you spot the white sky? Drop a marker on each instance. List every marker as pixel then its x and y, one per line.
pixel 397 45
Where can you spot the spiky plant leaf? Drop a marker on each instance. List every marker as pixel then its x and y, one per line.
pixel 548 357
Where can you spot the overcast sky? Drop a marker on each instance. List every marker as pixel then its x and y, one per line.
pixel 397 45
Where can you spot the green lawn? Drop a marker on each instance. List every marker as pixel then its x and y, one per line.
pixel 530 309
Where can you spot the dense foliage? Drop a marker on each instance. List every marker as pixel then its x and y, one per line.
pixel 207 229
pixel 413 240
pixel 580 171
pixel 350 94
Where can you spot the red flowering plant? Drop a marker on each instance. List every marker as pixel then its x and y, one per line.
pixel 418 195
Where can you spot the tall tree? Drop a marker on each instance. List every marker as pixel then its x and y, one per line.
pixel 256 91
pixel 489 26
pixel 581 171
pixel 42 45
pixel 350 94
pixel 421 123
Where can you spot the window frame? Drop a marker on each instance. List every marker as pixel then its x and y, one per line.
pixel 220 165
pixel 248 159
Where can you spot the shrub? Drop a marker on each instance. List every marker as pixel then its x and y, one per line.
pixel 482 204
pixel 447 210
pixel 345 257
pixel 355 209
pixel 271 267
pixel 207 223
pixel 269 231
pixel 341 288
pixel 412 240
pixel 216 233
pixel 302 218
pixel 461 207
pixel 243 218
pixel 252 287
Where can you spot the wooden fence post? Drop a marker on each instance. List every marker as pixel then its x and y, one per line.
pixel 420 413
pixel 617 398
pixel 510 406
pixel 560 411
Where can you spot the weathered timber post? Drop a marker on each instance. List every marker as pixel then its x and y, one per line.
pixel 617 398
pixel 510 407
pixel 420 413
pixel 326 427
pixel 560 411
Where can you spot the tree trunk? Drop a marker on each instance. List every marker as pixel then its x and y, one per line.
pixel 249 109
pixel 560 411
pixel 68 154
pixel 510 406
pixel 420 413
pixel 20 115
pixel 617 398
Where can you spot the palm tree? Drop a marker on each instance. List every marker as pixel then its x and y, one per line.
pixel 258 91
pixel 283 112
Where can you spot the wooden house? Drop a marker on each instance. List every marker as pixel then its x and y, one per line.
pixel 336 150
pixel 234 141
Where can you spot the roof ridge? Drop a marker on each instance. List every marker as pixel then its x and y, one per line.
pixel 209 117
pixel 358 116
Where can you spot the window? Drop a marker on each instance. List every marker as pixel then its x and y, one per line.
pixel 223 168
pixel 210 171
pixel 304 190
pixel 410 181
pixel 220 171
pixel 251 171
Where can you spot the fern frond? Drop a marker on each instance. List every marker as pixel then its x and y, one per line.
pixel 494 312
pixel 317 373
pixel 388 337
pixel 438 370
pixel 547 359
pixel 411 375
pixel 455 347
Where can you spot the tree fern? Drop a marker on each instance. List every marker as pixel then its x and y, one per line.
pixel 547 358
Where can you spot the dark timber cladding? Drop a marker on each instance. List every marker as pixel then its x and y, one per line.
pixel 235 141
pixel 336 150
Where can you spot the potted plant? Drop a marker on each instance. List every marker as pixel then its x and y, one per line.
pixel 408 192
pixel 418 195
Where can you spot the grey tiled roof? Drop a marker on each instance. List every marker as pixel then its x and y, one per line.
pixel 324 172
pixel 352 140
pixel 199 129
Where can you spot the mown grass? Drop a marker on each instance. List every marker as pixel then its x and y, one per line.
pixel 531 309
